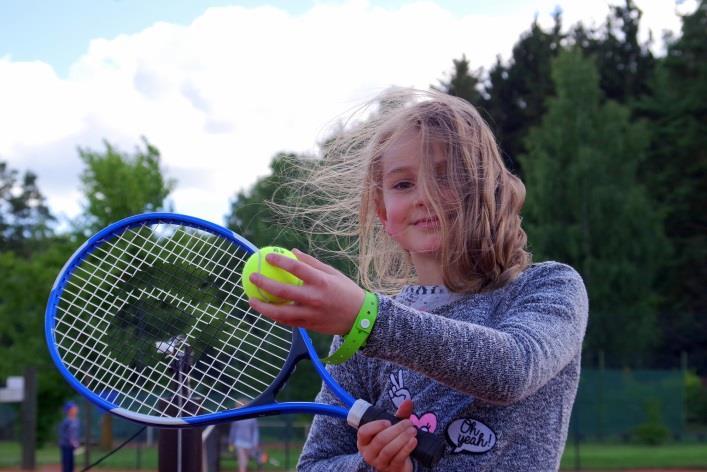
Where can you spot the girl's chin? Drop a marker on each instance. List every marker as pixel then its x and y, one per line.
pixel 431 251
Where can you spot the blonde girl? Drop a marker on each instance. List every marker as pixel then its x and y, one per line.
pixel 471 342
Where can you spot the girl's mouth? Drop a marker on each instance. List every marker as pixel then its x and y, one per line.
pixel 427 223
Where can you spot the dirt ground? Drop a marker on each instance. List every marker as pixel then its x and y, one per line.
pixel 57 468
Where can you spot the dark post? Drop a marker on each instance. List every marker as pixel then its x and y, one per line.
pixel 179 450
pixel 87 433
pixel 575 434
pixel 683 369
pixel 288 435
pixel 29 419
pixel 600 396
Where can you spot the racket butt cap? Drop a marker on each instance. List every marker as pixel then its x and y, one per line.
pixel 356 412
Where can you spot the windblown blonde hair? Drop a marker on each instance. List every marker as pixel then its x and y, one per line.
pixel 478 204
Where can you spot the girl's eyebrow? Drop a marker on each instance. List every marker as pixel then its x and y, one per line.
pixel 397 170
pixel 440 166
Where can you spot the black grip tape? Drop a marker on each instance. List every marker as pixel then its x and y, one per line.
pixel 429 447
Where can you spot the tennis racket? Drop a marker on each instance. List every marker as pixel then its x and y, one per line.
pixel 148 320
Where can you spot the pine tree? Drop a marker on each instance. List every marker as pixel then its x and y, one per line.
pixel 675 171
pixel 24 216
pixel 516 93
pixel 463 82
pixel 625 66
pixel 585 207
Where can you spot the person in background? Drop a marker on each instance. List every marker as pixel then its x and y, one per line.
pixel 244 437
pixel 69 436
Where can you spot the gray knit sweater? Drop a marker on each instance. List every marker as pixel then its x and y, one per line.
pixel 494 374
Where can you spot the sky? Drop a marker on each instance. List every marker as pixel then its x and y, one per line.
pixel 220 87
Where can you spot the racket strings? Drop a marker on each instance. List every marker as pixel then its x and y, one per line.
pixel 235 353
pixel 267 339
pixel 236 328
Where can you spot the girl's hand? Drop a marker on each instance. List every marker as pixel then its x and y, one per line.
pixel 327 302
pixel 387 448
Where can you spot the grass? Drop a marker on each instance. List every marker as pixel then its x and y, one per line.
pixel 599 456
pixel 131 458
pixel 593 456
pixel 11 456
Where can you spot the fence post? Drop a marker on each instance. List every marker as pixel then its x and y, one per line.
pixel 575 434
pixel 87 433
pixel 600 396
pixel 288 431
pixel 29 419
pixel 683 368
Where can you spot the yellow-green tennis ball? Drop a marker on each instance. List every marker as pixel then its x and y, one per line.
pixel 256 263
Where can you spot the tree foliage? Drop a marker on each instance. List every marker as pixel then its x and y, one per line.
pixel 24 215
pixel 512 97
pixel 254 219
pixel 676 111
pixel 586 207
pixel 117 184
pixel 24 288
pixel 625 65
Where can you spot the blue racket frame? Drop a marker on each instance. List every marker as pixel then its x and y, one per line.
pixel 263 405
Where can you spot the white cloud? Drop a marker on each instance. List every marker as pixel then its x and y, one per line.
pixel 221 96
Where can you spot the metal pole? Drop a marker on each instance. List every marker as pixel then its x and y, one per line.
pixel 575 434
pixel 602 369
pixel 683 367
pixel 87 433
pixel 29 419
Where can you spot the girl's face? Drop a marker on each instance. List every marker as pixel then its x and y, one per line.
pixel 404 210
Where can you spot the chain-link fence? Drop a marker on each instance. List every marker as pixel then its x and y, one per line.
pixel 614 406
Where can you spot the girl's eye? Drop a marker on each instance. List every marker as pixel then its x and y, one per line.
pixel 402 185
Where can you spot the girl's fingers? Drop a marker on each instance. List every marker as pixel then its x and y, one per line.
pixel 287 313
pixel 299 269
pixel 381 444
pixel 314 262
pixel 405 409
pixel 390 451
pixel 403 454
pixel 295 293
pixel 368 431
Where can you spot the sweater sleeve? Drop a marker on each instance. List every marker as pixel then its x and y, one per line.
pixel 537 332
pixel 331 443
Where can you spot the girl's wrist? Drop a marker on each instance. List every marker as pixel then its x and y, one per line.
pixel 357 336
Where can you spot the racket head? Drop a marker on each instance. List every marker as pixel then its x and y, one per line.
pixel 111 331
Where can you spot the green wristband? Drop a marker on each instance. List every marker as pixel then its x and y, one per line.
pixel 362 327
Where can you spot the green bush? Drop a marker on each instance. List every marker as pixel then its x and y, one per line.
pixel 695 399
pixel 651 432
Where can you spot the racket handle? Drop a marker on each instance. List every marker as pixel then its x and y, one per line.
pixel 429 447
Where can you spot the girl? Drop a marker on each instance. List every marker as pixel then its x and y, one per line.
pixel 478 345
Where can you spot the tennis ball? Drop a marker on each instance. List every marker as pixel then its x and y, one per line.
pixel 257 263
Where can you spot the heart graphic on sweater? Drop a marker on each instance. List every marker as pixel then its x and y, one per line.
pixel 426 422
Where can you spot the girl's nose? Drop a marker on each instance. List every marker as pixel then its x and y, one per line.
pixel 420 197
